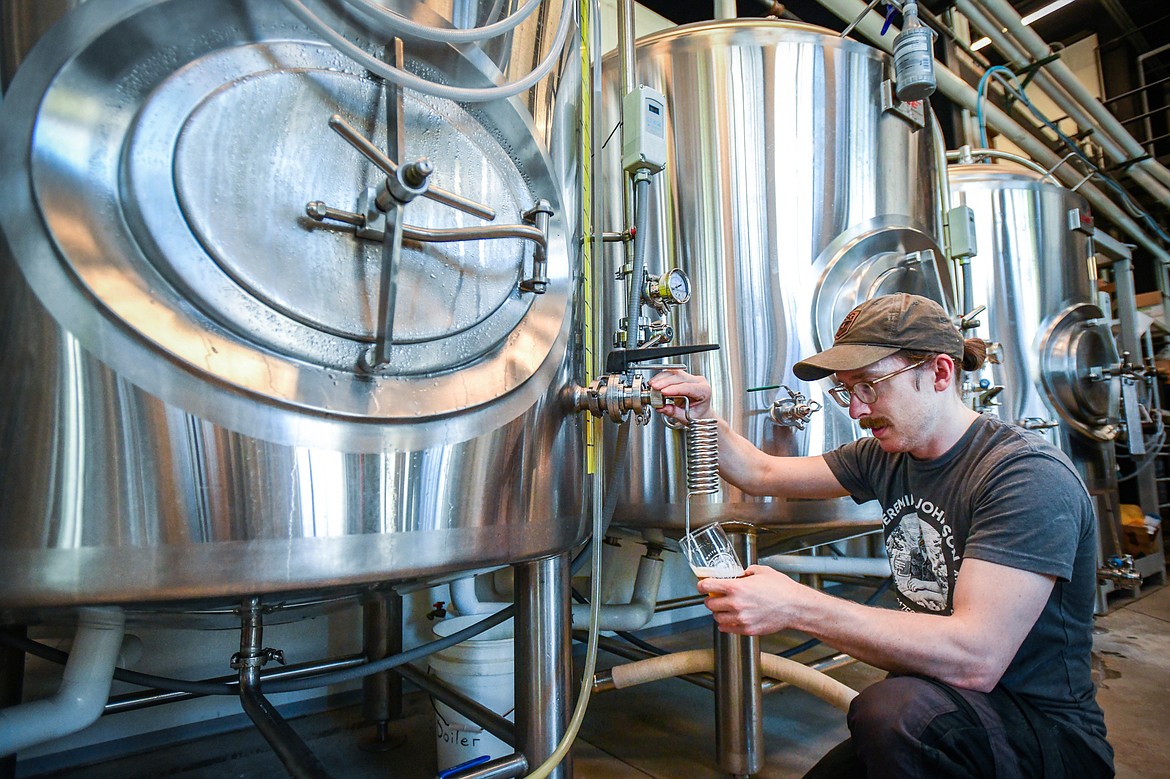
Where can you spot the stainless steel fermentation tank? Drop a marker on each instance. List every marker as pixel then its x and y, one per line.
pixel 796 188
pixel 1051 367
pixel 185 412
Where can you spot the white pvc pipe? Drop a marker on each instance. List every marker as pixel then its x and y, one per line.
pixel 85 686
pixel 639 611
pixel 465 601
pixel 725 9
pixel 849 566
pixel 703 660
pixel 964 94
pixel 1107 122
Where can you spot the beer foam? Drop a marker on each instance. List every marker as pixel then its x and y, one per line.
pixel 720 572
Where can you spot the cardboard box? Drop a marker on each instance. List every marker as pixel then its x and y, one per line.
pixel 1141 533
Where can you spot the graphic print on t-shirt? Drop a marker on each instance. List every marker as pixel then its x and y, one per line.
pixel 921 557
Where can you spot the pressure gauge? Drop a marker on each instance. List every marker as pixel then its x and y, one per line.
pixel 671 288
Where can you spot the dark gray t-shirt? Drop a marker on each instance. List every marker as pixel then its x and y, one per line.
pixel 1005 496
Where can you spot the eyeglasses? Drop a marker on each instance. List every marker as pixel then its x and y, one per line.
pixel 864 390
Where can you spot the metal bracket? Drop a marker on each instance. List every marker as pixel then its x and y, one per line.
pixel 913 112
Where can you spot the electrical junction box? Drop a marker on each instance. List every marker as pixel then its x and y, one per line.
pixel 644 130
pixel 961 220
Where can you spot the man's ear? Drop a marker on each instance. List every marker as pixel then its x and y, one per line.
pixel 945 372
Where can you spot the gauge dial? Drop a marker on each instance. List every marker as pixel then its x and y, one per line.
pixel 675 286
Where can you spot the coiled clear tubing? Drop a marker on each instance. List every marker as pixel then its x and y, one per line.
pixel 702 442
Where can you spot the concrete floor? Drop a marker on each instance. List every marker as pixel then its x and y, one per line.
pixel 666 729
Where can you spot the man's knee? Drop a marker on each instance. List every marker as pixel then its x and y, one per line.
pixel 896 709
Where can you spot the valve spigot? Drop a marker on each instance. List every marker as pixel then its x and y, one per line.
pixel 793 411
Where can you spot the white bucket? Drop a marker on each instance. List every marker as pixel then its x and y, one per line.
pixel 483 669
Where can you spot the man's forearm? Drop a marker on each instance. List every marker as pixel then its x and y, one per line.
pixel 941 647
pixel 742 464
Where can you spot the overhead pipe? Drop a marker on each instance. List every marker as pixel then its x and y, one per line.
pixel 639 611
pixel 963 94
pixel 1048 83
pixel 1107 122
pixel 85 686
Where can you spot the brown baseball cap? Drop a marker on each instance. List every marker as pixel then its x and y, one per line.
pixel 883 326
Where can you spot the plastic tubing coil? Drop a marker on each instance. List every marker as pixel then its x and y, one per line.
pixel 411 81
pixel 700 660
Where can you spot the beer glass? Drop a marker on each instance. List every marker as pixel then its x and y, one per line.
pixel 709 552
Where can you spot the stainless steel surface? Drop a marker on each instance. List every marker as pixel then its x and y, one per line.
pixel 390 167
pixel 739 712
pixel 183 418
pixel 790 196
pixel 543 660
pixel 381 637
pixel 1033 274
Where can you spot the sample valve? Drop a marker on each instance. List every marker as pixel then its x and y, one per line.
pixel 622 390
pixel 793 411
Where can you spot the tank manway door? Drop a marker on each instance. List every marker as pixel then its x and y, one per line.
pixel 1078 363
pixel 210 211
pixel 877 262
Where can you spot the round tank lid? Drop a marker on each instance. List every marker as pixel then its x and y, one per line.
pixel 172 182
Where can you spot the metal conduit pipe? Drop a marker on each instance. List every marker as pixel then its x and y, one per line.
pixel 967 154
pixel 1107 122
pixel 859 566
pixel 640 609
pixel 1055 89
pixel 695 661
pixel 294 754
pixel 481 715
pixel 155 697
pixel 85 685
pixel 964 95
pixel 505 767
pixel 637 274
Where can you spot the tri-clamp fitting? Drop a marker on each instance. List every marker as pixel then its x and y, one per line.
pixel 622 389
pixel 616 395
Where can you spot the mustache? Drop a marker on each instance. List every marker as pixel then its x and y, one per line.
pixel 870 423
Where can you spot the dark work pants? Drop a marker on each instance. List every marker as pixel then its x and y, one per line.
pixel 914 728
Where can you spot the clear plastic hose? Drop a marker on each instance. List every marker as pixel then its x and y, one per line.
pixel 411 81
pixel 400 25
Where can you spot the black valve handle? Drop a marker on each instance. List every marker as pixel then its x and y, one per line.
pixel 619 360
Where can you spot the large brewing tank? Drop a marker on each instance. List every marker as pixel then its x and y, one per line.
pixel 185 415
pixel 795 188
pixel 1054 348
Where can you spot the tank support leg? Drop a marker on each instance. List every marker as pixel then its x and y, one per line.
pixel 739 728
pixel 11 686
pixel 543 659
pixel 381 692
